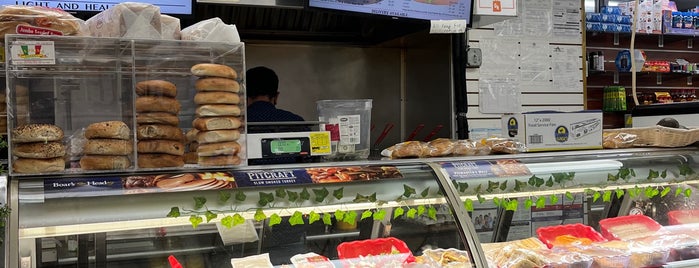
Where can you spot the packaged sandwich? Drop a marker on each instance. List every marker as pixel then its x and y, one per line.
pixel 132 20
pixel 36 20
pixel 517 253
pixel 444 258
pixel 640 255
pixel 604 257
pixel 561 258
pixel 469 147
pixel 504 146
pixel 214 30
pixel 406 149
pixel 614 140
pixel 440 147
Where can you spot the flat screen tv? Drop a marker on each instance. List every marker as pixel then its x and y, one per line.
pixel 172 7
pixel 417 9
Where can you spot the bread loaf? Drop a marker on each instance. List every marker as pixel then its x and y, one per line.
pixel 217 84
pixel 159 132
pixel 39 150
pixel 108 130
pixel 38 16
pixel 147 104
pixel 159 160
pixel 220 148
pixel 191 158
pixel 29 165
pixel 156 88
pixel 216 123
pixel 217 136
pixel 217 110
pixel 104 162
pixel 193 146
pixel 191 135
pixel 108 147
pixel 221 160
pixel 36 133
pixel 215 70
pixel 202 98
pixel 161 146
pixel 157 118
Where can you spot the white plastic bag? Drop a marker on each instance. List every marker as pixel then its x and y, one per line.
pixel 214 30
pixel 131 20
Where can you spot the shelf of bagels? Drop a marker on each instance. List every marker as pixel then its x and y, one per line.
pixel 135 82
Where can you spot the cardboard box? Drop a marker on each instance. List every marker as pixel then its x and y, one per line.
pixel 555 131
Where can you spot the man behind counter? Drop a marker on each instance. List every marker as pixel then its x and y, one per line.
pixel 262 86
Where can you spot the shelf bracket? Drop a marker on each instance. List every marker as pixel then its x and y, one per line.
pixel 616 78
pixel 616 39
pixel 661 41
pixel 690 43
pixel 659 79
pixel 689 80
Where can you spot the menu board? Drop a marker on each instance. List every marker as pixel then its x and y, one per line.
pixel 419 9
pixel 178 7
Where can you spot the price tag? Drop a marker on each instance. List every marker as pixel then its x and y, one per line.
pixel 320 143
pixel 448 26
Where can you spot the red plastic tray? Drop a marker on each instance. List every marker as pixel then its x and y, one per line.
pixel 382 247
pixel 677 217
pixel 639 221
pixel 548 234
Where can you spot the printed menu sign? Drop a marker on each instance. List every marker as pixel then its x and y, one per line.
pixel 485 169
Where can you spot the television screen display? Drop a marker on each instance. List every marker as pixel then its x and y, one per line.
pixel 173 7
pixel 418 9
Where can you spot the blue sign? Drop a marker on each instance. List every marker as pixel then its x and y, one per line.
pixel 253 178
pixel 81 187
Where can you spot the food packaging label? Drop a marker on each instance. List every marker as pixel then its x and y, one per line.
pixel 350 129
pixel 255 261
pixel 33 53
pixel 32 30
pixel 552 131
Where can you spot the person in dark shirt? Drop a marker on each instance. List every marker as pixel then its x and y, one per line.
pixel 262 86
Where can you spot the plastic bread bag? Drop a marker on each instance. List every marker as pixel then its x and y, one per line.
pixel 641 255
pixel 565 259
pixel 504 146
pixel 444 258
pixel 36 20
pixel 439 147
pixel 254 261
pixel 170 28
pixel 618 140
pixel 214 30
pixel 408 149
pixel 129 19
pixel 470 148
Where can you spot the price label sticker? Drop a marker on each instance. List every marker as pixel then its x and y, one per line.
pixel 320 143
pixel 447 26
pixel 33 53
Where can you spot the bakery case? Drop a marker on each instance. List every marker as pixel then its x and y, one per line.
pixel 211 216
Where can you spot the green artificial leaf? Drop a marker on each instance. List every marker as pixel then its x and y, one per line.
pixel 678 191
pixel 199 202
pixel 372 197
pixel 360 199
pixel 624 173
pixel 432 213
pixel 652 174
pixel 656 192
pixel 296 218
pixel 532 180
pixel 420 210
pixel 686 170
pixel 327 219
pixel 350 217
pixel 408 191
pixel 381 202
pixel 553 199
pixel 596 197
pixel 688 193
pixel 619 193
pixel 366 214
pixel 633 193
pixel 497 201
pixel 607 196
pixel 632 172
pixel 637 191
pixel 339 193
pixel 240 196
pixel 492 185
pixel 503 185
pixel 528 203
pixel 339 215
pixel 539 182
pixel 665 191
pixel 265 199
pixel 411 213
pixel 663 174
pixel 479 189
pixel 259 215
pixel 227 222
pixel 280 193
pixel 380 215
pixel 304 195
pixel 512 205
pixel 569 196
pixel 224 196
pixel 274 220
pixel 210 216
pixel 468 205
pixel 480 199
pixel 195 220
pixel 563 177
pixel 541 202
pixel 648 192
pixel 519 185
pixel 425 192
pixel 293 196
pixel 238 220
pixel 549 182
pixel 174 212
pixel 463 186
pixel 612 177
pixel 313 217
pixel 399 211
pixel 320 194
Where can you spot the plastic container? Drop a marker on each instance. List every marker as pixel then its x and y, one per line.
pixel 677 217
pixel 381 252
pixel 682 246
pixel 446 258
pixel 566 259
pixel 349 123
pixel 628 227
pixel 641 255
pixel 548 234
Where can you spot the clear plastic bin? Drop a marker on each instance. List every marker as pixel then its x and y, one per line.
pixel 349 123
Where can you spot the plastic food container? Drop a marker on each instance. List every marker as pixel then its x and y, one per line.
pixel 349 123
pixel 641 255
pixel 567 259
pixel 548 234
pixel 446 258
pixel 605 257
pixel 628 227
pixel 381 252
pixel 677 217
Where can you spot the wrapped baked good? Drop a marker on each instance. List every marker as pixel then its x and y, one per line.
pixel 444 258
pixel 170 28
pixel 604 257
pixel 518 253
pixel 38 20
pixel 561 258
pixel 504 146
pixel 213 29
pixel 469 147
pixel 130 19
pixel 440 147
pixel 618 140
pixel 406 150
pixel 641 255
